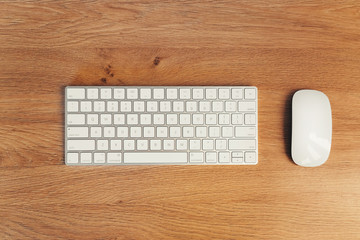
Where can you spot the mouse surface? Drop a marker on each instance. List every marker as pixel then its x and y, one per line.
pixel 311 128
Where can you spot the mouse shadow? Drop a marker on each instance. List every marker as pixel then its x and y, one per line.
pixel 287 124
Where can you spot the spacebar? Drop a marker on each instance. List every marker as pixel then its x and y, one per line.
pixel 155 157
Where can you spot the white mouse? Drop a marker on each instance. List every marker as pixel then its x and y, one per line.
pixel 311 128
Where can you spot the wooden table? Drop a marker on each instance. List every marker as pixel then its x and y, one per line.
pixel 278 46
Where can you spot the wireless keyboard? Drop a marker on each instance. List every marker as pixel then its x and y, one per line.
pixel 161 125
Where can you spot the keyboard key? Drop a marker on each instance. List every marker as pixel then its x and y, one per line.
pixel 171 93
pixel 188 132
pixel 109 132
pixel 210 118
pixel 149 132
pixel 105 93
pixel 145 93
pixel 132 119
pixel 191 106
pixel 196 157
pixel 99 106
pixel 250 157
pixel 198 93
pixel 139 106
pixel 95 132
pixel 208 144
pixel 159 93
pixel 171 119
pixel 240 144
pixel 132 93
pixel 214 132
pixel 230 106
pixel 245 132
pixel 250 93
pixel 161 132
pixel 227 132
pixel 119 93
pixel 178 106
pixel 237 93
pixel 80 145
pixel 129 144
pixel 237 160
pixel 115 144
pixel 85 106
pixel 75 93
pixel 198 119
pixel 185 93
pixel 210 93
pixel 102 145
pixel 181 145
pixel 145 119
pixel 152 106
pixel 237 154
pixel 224 119
pixel 218 106
pixel 75 119
pixel 211 157
pixel 185 119
pixel 159 119
pixel 77 132
pixel 224 157
pixel 114 158
pixel 72 106
pixel 201 132
pixel 142 145
pixel 99 157
pixel 195 144
pixel 165 106
pixel 92 119
pixel 175 132
pixel 220 144
pixel 237 119
pixel 155 144
pixel 92 93
pixel 85 157
pixel 125 106
pixel 112 106
pixel 204 106
pixel 105 119
pixel 169 145
pixel 135 132
pixel 224 93
pixel 123 132
pixel 72 158
pixel 250 119
pixel 155 157
pixel 247 106
pixel 119 119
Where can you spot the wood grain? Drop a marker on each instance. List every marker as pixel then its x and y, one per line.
pixel 278 46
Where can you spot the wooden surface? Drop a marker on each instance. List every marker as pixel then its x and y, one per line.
pixel 278 46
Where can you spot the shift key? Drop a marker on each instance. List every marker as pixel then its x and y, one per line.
pixel 241 144
pixel 80 145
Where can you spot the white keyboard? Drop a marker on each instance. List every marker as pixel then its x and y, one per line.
pixel 161 125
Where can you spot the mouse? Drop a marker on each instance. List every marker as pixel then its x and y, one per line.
pixel 311 128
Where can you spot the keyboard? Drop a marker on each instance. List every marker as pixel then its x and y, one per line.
pixel 141 125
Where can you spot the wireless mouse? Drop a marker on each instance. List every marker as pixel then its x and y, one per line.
pixel 311 128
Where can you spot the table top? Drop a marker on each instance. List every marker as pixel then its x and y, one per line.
pixel 278 46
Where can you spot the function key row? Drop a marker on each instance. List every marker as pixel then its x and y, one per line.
pixel 162 93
